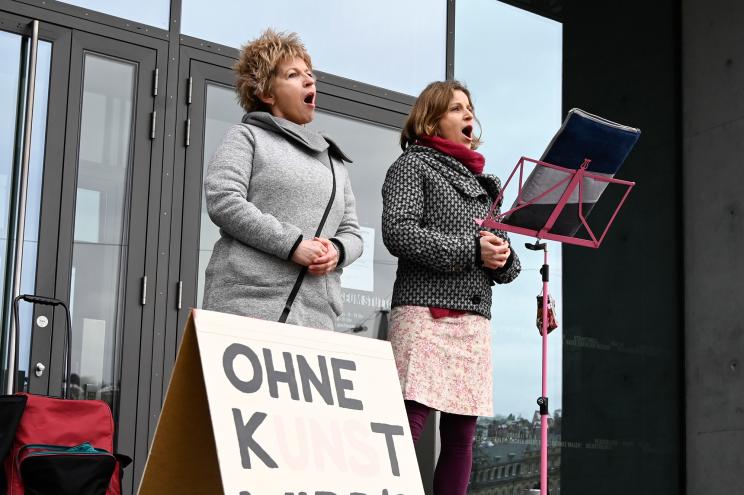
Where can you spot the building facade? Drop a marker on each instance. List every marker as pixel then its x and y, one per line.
pixel 129 103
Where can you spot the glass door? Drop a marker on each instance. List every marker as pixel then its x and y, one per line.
pixel 14 51
pixel 96 251
pixel 48 104
pixel 207 107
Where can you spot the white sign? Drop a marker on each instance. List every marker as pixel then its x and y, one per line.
pixel 288 411
pixel 360 275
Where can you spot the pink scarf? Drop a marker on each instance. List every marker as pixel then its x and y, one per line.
pixel 471 159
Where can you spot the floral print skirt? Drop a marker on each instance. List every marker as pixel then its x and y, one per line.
pixel 444 363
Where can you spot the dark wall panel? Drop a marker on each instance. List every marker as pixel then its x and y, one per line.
pixel 713 88
pixel 622 385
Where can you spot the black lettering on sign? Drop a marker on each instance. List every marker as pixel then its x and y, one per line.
pixel 287 376
pixel 308 378
pixel 321 385
pixel 341 384
pixel 228 361
pixel 389 431
pixel 246 442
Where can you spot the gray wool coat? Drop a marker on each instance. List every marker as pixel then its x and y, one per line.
pixel 267 187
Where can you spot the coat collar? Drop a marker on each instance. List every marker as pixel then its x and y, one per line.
pixel 452 171
pixel 314 141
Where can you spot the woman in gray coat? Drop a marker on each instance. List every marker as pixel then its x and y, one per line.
pixel 268 186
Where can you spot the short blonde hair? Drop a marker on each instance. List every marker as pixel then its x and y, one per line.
pixel 257 63
pixel 430 107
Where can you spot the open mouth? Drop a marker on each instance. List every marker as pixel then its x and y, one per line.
pixel 309 99
pixel 468 131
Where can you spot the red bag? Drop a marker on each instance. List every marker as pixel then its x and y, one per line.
pixel 52 421
pixel 61 445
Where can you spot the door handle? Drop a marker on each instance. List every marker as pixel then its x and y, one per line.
pixel 20 220
pixel 39 369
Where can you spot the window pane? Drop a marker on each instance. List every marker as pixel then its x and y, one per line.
pixel 367 284
pixel 395 45
pixel 517 96
pixel 11 53
pixel 33 201
pixel 10 78
pixel 152 12
pixel 100 246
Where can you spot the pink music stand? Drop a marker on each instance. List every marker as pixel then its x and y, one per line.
pixel 574 178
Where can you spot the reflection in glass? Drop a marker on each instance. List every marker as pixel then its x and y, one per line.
pixel 152 12
pixel 11 52
pixel 395 45
pixel 517 97
pixel 101 218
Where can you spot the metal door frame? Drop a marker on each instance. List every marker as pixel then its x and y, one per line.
pixel 53 147
pixel 143 205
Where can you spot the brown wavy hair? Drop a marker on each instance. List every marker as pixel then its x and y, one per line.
pixel 430 107
pixel 257 63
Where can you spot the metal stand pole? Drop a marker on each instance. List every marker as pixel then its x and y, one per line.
pixel 542 401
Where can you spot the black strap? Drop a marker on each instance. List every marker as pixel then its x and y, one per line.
pixel 303 272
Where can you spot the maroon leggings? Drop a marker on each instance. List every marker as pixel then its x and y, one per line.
pixel 456 434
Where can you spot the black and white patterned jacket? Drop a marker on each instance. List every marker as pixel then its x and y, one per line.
pixel 429 202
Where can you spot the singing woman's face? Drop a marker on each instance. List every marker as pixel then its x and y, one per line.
pixel 457 124
pixel 292 94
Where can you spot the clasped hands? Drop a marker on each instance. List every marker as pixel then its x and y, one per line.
pixel 319 255
pixel 494 250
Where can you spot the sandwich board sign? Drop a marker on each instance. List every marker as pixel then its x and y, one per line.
pixel 257 407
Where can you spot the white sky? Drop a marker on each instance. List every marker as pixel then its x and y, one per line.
pixel 511 60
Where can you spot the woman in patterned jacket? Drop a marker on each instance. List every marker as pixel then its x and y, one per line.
pixel 440 322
